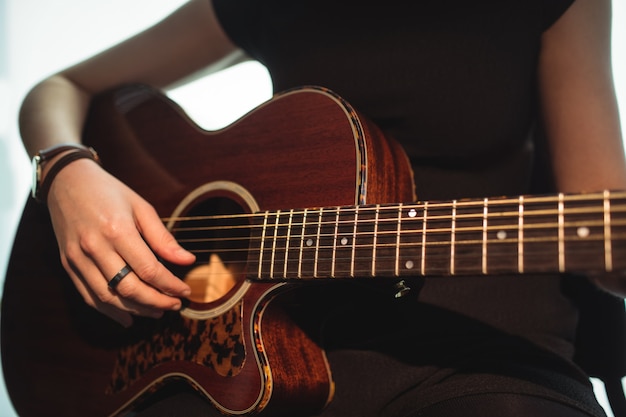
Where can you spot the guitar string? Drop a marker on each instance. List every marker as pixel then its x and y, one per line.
pixel 460 218
pixel 509 222
pixel 495 255
pixel 348 211
pixel 596 198
pixel 430 244
pixel 438 236
pixel 460 229
pixel 363 266
pixel 512 215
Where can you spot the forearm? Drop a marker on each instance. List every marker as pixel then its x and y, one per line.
pixel 53 112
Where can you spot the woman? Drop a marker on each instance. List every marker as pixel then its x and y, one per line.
pixel 461 86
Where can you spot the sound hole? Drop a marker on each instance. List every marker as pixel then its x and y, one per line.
pixel 217 232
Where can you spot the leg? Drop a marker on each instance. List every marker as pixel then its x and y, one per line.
pixel 510 405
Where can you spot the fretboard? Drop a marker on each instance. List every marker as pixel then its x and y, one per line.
pixel 527 234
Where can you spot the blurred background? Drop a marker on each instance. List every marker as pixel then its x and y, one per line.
pixel 39 37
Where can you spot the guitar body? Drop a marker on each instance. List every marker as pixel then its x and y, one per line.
pixel 252 349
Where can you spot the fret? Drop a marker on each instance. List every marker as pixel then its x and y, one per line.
pixel 618 232
pixel 399 240
pixel 298 221
pixel 452 237
pixel 436 240
pixel 520 233
pixel 470 240
pixel 325 241
pixel 424 228
pixel 287 265
pixel 310 221
pixel 411 239
pixel 317 243
pixel 274 244
pixel 309 244
pixel 544 251
pixel 302 235
pixel 502 236
pixel 584 233
pixel 336 234
pixel 364 241
pixel 353 256
pixel 561 233
pixel 262 244
pixel 398 234
pixel 289 243
pixel 485 229
pixel 375 238
pixel 273 250
pixel 254 251
pixel 280 244
pixel 344 238
pixel 608 249
pixel 387 229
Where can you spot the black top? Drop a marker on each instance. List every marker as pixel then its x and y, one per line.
pixel 455 82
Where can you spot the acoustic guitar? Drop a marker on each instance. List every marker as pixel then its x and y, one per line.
pixel 302 190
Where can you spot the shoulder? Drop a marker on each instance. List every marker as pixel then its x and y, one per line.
pixel 186 42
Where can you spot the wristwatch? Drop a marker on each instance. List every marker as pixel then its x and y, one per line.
pixel 43 156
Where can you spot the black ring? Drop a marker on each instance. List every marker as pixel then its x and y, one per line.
pixel 119 276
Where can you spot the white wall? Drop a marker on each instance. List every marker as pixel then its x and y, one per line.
pixel 38 37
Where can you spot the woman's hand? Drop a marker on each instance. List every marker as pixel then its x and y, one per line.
pixel 101 225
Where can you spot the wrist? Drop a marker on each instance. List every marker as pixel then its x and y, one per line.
pixel 49 162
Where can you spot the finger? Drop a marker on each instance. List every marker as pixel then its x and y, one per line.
pixel 117 278
pixel 147 267
pixel 108 253
pixel 135 289
pixel 97 290
pixel 108 304
pixel 114 312
pixel 120 243
pixel 159 238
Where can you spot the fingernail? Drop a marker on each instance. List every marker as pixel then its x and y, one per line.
pixel 184 252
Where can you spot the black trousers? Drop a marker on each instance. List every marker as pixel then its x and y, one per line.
pixel 482 405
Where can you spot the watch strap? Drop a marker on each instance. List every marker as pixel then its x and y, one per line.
pixel 74 153
pixel 46 154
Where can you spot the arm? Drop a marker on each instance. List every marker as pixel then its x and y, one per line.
pixel 184 43
pixel 580 107
pixel 98 234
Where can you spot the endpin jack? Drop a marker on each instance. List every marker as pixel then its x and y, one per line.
pixel 401 289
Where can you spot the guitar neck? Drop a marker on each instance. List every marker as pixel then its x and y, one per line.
pixel 526 234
